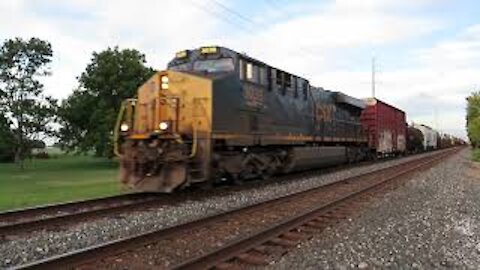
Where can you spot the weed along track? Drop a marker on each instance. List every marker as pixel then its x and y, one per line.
pixel 249 235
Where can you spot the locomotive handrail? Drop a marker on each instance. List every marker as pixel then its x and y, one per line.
pixel 194 143
pixel 117 125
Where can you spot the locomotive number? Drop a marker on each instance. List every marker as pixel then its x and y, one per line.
pixel 325 112
pixel 253 96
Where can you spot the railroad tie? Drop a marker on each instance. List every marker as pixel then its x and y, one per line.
pixel 253 258
pixel 282 242
pixel 293 235
pixel 227 266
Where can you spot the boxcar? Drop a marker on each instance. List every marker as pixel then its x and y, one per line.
pixel 385 126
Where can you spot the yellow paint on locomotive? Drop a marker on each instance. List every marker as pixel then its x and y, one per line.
pixel 186 104
pixel 171 133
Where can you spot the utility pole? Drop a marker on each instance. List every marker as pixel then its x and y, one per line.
pixel 373 77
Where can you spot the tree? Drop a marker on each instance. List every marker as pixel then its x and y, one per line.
pixel 473 118
pixel 7 150
pixel 23 103
pixel 88 115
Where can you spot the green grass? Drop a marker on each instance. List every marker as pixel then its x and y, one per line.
pixel 60 179
pixel 476 154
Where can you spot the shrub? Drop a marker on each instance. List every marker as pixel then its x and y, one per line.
pixel 476 154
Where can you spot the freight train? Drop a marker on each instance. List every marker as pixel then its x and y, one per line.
pixel 219 115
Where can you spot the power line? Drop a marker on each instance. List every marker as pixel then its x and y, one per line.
pixel 373 76
pixel 231 11
pixel 305 51
pixel 220 16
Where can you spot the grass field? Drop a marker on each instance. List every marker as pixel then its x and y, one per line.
pixel 476 154
pixel 64 178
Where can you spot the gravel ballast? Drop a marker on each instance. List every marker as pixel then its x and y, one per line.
pixel 432 222
pixel 44 244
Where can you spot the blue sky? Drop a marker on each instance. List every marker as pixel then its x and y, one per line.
pixel 427 51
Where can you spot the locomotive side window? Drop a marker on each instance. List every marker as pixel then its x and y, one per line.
pixel 305 90
pixel 241 69
pixel 182 67
pixel 281 82
pixel 269 79
pixel 263 76
pixel 288 84
pixel 253 73
pixel 295 86
pixel 288 80
pixel 279 78
pixel 249 71
pixel 255 78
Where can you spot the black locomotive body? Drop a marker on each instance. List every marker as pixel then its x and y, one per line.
pixel 256 120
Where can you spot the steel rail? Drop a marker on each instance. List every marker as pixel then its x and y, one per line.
pixel 247 243
pixel 108 249
pixel 35 218
pixel 29 219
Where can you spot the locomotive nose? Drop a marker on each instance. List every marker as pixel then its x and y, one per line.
pixel 157 108
pixel 165 147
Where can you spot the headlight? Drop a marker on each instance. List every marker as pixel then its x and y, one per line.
pixel 164 81
pixel 163 126
pixel 124 127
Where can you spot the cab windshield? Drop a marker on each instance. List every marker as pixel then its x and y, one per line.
pixel 182 67
pixel 214 65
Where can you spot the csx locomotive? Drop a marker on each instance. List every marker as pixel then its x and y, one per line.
pixel 216 115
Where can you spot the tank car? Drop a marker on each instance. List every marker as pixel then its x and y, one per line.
pixel 414 140
pixel 430 136
pixel 216 114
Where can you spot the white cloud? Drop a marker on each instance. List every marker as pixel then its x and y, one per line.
pixel 308 40
pixel 321 41
pixel 432 89
pixel 157 28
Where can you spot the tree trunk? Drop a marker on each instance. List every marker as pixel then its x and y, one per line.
pixel 19 157
pixel 20 147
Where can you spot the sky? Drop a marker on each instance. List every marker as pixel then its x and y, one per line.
pixel 427 52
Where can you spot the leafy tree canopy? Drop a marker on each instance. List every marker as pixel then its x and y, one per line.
pixel 88 115
pixel 26 110
pixel 473 119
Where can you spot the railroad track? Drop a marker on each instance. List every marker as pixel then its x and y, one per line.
pixel 59 216
pixel 248 235
pixel 30 219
